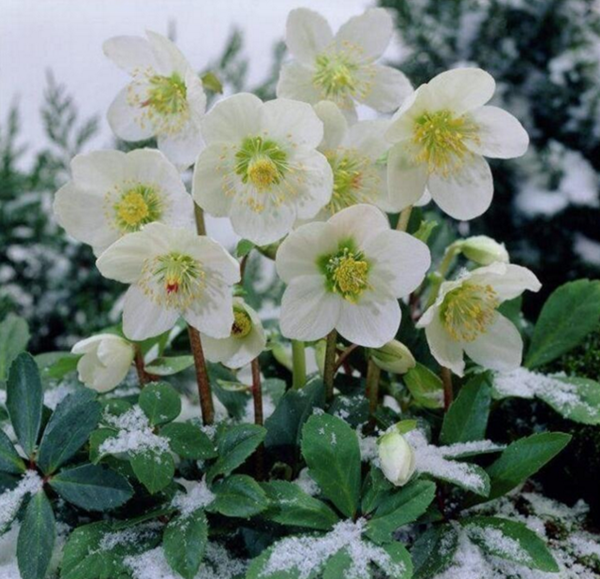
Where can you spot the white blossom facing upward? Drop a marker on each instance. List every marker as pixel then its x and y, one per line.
pixel 347 274
pixel 261 167
pixel 165 98
pixel 245 342
pixel 465 318
pixel 113 193
pixel 105 361
pixel 441 135
pixel 341 68
pixel 173 272
pixel 355 155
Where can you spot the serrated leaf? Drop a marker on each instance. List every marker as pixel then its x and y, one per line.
pixel 24 401
pixel 91 487
pixel 184 543
pixel 154 469
pixel 400 565
pixel 14 337
pixel 330 448
pixel 238 496
pixel 160 402
pixel 433 552
pixel 10 461
pixel 169 365
pixel 188 441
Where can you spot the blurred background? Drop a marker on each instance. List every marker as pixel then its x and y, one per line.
pixel 55 87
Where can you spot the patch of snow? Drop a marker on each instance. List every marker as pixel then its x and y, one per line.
pixel 11 500
pixel 198 495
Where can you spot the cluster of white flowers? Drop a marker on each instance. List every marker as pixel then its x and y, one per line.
pixel 304 172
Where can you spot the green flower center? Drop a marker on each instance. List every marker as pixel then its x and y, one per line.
pixel 346 272
pixel 468 311
pixel 441 138
pixel 260 162
pixel 167 95
pixel 335 75
pixel 242 324
pixel 137 207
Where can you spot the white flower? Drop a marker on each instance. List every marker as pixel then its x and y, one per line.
pixel 341 68
pixel 464 318
pixel 394 357
pixel 483 250
pixel 348 273
pixel 355 155
pixel 173 272
pixel 396 458
pixel 261 167
pixel 114 193
pixel 165 98
pixel 245 342
pixel 105 362
pixel 442 133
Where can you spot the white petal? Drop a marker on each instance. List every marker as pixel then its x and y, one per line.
pixel 369 138
pixel 402 123
pixel 142 318
pixel 360 222
pixel 466 194
pixel 372 322
pixel 168 57
pixel 98 171
pixel 214 173
pixel 308 310
pixel 182 149
pixel 311 183
pixel 499 348
pixel 126 121
pixel 400 261
pixel 445 350
pixel 370 33
pixel 500 135
pixel 219 350
pixel 406 180
pixel 296 82
pixel 292 121
pixel 212 314
pixel 335 125
pixel 300 250
pixel 233 119
pixel 88 344
pixel 462 89
pixel 389 87
pixel 510 281
pixel 307 34
pixel 130 53
pixel 213 257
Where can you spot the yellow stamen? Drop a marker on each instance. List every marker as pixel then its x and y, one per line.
pixel 242 324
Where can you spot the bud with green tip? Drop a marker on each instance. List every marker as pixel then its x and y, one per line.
pixel 484 250
pixel 396 458
pixel 393 357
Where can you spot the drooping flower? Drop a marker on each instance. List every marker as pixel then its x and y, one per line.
pixel 355 155
pixel 165 98
pixel 105 362
pixel 347 273
pixel 465 318
pixel 396 458
pixel 114 193
pixel 341 68
pixel 173 272
pixel 483 250
pixel 393 357
pixel 245 342
pixel 442 133
pixel 261 167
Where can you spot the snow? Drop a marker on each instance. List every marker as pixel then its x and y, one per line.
pixel 197 496
pixel 11 500
pixel 307 484
pixel 495 540
pixel 126 537
pixel 307 555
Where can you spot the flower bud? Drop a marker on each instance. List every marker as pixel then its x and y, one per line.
pixel 105 362
pixel 484 250
pixel 393 357
pixel 396 457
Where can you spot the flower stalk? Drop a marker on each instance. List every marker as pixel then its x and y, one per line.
pixel 257 392
pixel 204 390
pixel 372 391
pixel 199 217
pixel 329 368
pixel 403 219
pixel 298 364
pixel 448 390
pixel 139 367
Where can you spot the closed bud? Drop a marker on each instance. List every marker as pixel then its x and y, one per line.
pixel 484 250
pixel 396 457
pixel 393 357
pixel 105 362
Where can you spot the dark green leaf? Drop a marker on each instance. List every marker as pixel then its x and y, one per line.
pixel 524 458
pixel 338 566
pixel 433 552
pixel 91 487
pixel 375 488
pixel 169 365
pixel 579 400
pixel 568 316
pixel 425 386
pixel 238 496
pixel 14 337
pixel 467 417
pixel 68 429
pixel 154 469
pixel 56 365
pixel 188 441
pixel 36 538
pixel 330 448
pixel 24 401
pixel 160 402
pixel 10 461
pixel 290 505
pixel 400 566
pixel 184 543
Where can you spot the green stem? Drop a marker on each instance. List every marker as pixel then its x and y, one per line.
pixel 404 218
pixel 299 365
pixel 199 216
pixel 329 369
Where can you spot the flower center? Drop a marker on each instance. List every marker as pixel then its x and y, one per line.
pixel 173 280
pixel 261 162
pixel 347 274
pixel 137 207
pixel 335 75
pixel 441 138
pixel 469 310
pixel 167 95
pixel 242 324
